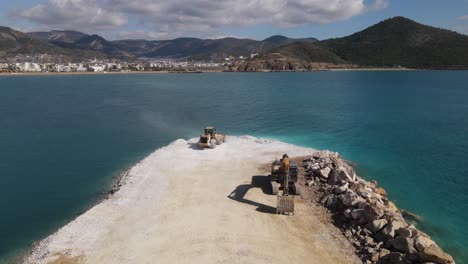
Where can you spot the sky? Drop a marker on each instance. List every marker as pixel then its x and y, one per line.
pixel 255 19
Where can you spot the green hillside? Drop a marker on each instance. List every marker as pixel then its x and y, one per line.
pixel 401 41
pixel 14 42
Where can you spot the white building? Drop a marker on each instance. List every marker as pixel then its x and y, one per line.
pixel 28 67
pixel 98 68
pixel 81 68
pixel 3 66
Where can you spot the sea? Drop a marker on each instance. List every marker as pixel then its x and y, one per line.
pixel 64 138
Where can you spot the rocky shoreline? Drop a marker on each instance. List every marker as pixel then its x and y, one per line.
pixel 372 223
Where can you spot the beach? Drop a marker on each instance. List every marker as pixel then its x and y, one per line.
pixel 196 71
pixel 183 204
pixel 97 73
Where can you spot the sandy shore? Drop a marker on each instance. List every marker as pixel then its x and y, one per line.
pixel 201 71
pixel 98 73
pixel 185 205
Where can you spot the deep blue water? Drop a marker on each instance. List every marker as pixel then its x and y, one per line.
pixel 63 138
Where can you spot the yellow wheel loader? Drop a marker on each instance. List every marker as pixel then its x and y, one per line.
pixel 211 138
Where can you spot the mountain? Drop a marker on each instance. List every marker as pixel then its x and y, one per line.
pixel 393 42
pixel 308 52
pixel 99 44
pixel 137 47
pixel 14 42
pixel 401 41
pixel 209 49
pixel 279 40
pixel 65 36
pixel 295 56
pixel 193 48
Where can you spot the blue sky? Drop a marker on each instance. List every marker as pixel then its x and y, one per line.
pixel 258 19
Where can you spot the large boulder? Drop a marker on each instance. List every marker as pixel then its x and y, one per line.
pixel 341 189
pixel 376 225
pixel 404 232
pixel 315 167
pixel 358 214
pixel 390 229
pixel 393 258
pixel 330 201
pixel 392 207
pixel 422 241
pixel 376 211
pixel 433 253
pixel 381 191
pixel 325 172
pixel 341 173
pixel 349 198
pixel 402 244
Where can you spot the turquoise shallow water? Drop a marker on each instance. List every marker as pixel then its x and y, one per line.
pixel 63 138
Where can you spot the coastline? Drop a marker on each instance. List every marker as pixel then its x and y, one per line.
pixel 117 182
pixel 379 230
pixel 132 178
pixel 216 71
pixel 98 73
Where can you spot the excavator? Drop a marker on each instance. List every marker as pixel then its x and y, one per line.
pixel 284 175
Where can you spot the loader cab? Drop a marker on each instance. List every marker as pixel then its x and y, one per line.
pixel 203 139
pixel 210 131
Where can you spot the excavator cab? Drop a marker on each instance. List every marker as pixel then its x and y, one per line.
pixel 293 171
pixel 276 178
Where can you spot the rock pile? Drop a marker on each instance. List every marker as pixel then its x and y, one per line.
pixel 361 209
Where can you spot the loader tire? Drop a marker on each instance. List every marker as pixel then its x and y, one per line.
pixel 213 143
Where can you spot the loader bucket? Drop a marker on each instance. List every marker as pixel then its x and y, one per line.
pixel 285 204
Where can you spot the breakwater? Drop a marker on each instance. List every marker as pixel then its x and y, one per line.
pixel 370 221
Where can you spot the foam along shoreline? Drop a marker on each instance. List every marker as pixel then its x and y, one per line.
pixel 186 205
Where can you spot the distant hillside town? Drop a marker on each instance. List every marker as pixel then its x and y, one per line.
pixel 27 64
pixel 393 43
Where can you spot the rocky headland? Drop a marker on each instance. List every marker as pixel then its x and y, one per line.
pixel 373 224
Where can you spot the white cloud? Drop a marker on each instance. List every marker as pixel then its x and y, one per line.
pixel 169 18
pixel 463 17
pixel 461 29
pixel 142 34
pixel 72 14
pixel 378 4
pixel 206 14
